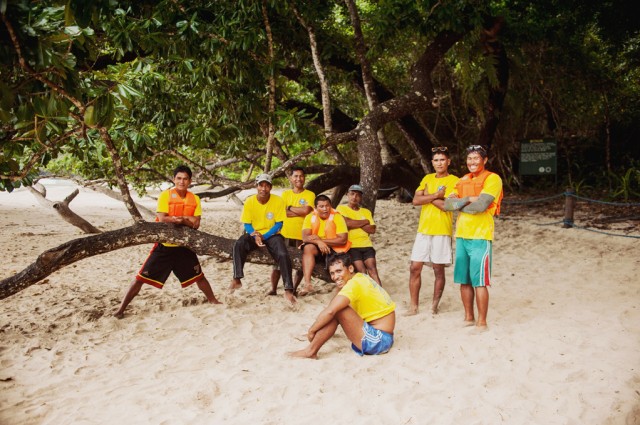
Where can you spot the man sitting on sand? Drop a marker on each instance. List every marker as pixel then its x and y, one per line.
pixel 324 231
pixel 363 309
pixel 181 207
pixel 262 216
pixel 360 224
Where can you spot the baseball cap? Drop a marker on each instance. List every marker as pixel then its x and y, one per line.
pixel 356 188
pixel 263 178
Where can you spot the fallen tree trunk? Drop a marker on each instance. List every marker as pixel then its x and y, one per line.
pixel 141 233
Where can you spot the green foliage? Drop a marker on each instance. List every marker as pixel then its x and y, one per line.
pixel 192 77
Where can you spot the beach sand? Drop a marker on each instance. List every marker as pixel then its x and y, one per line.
pixel 563 345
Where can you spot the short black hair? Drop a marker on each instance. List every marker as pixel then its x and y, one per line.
pixel 321 198
pixel 182 169
pixel 298 168
pixel 343 258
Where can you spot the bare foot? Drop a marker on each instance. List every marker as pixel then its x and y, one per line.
pixel 307 290
pixel 468 323
pixel 272 293
pixel 434 306
pixel 302 354
pixel 288 295
pixel 235 284
pixel 479 329
pixel 215 301
pixel 119 314
pixel 413 310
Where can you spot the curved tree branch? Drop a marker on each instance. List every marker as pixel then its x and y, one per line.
pixel 142 233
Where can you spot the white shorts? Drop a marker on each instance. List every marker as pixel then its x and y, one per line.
pixel 432 249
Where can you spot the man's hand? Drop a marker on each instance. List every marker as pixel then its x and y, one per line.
pixel 258 238
pixel 323 247
pixel 310 335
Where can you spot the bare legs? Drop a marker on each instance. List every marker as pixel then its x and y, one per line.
pixel 309 253
pixel 415 283
pixel 481 295
pixel 275 278
pixel 438 286
pixel 351 324
pixel 134 289
pixel 368 267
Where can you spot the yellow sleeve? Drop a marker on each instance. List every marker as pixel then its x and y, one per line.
pixel 492 186
pixel 163 202
pixel 341 225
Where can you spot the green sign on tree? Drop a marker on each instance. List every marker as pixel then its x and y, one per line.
pixel 538 157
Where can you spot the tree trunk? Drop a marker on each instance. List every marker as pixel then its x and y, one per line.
pixel 141 233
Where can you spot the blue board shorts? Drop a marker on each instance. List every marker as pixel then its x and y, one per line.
pixel 374 341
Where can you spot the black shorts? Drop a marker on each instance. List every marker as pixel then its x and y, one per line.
pixel 362 254
pixel 163 260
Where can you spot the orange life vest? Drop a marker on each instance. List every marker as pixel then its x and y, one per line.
pixel 329 229
pixel 181 206
pixel 469 186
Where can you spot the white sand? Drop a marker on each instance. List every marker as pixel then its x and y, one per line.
pixel 563 345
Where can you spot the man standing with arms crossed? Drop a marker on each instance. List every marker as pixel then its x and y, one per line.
pixel 435 227
pixel 477 197
pixel 298 202
pixel 181 207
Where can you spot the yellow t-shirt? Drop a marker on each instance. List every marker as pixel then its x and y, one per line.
pixel 481 225
pixel 358 237
pixel 434 221
pixel 292 227
pixel 263 217
pixel 341 225
pixel 367 298
pixel 163 207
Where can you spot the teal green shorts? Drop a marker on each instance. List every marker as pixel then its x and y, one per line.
pixel 473 262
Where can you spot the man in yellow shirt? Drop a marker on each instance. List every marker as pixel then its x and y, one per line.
pixel 435 228
pixel 477 197
pixel 298 202
pixel 360 224
pixel 363 308
pixel 324 231
pixel 262 216
pixel 180 207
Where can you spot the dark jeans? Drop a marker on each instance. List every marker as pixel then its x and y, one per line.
pixel 276 247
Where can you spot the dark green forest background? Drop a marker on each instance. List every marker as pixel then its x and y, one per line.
pixel 118 93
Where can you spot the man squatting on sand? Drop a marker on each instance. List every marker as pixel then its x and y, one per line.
pixel 360 224
pixel 324 232
pixel 298 202
pixel 262 216
pixel 180 207
pixel 435 227
pixel 362 307
pixel 477 196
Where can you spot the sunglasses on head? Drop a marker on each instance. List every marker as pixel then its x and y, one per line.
pixel 439 149
pixel 473 148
